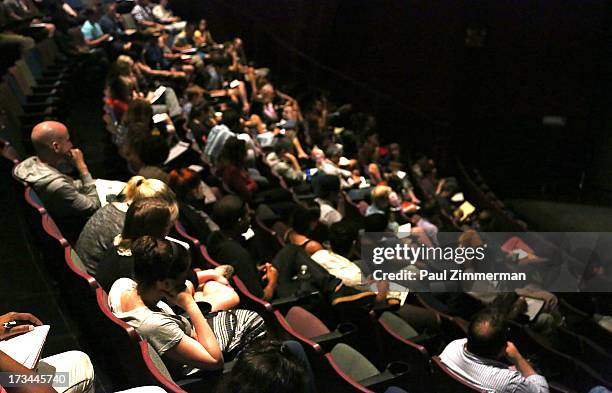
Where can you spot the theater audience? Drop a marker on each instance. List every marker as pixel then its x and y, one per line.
pixel 275 279
pixel 106 223
pixel 477 358
pixel 200 342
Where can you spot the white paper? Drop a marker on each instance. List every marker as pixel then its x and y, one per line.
pixel 248 234
pixel 158 93
pixel 404 230
pixel 26 348
pixel 176 151
pixel 521 253
pixel 458 197
pixel 108 187
pixel 533 307
pixel 160 117
pixel 344 161
pixel 401 174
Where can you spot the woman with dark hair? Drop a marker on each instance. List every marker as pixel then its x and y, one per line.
pixel 270 367
pixel 146 150
pixel 303 221
pixel 195 198
pixel 147 216
pixel 161 268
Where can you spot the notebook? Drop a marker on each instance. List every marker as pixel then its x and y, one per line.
pixel 26 348
pixel 533 307
pixel 104 188
pixel 466 209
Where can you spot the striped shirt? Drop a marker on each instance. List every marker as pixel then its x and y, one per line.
pixel 489 374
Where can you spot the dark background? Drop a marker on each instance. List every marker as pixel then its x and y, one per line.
pixel 472 79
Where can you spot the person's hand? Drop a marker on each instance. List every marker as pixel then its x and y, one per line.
pixel 76 156
pixel 12 316
pixel 512 353
pixel 289 157
pixel 182 299
pixel 270 272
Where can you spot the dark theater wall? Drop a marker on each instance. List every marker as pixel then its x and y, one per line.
pixel 408 62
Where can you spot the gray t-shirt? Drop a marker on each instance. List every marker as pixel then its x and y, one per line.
pixel 98 234
pixel 162 329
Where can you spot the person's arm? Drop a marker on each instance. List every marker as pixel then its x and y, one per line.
pixel 271 276
pixel 203 351
pixel 83 200
pixel 533 382
pixel 8 364
pixel 69 10
pixel 97 41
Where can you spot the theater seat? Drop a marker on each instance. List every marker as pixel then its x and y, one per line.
pixel 447 381
pixel 353 363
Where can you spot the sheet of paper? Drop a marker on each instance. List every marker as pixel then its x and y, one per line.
pixel 248 234
pixel 466 209
pixel 26 348
pixel 158 93
pixel 176 151
pixel 533 307
pixel 108 187
pixel 458 197
pixel 521 253
pixel 160 117
pixel 404 230
pixel 344 161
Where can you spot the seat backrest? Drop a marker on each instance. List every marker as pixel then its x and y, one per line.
pixel 23 68
pixel 33 200
pixel 305 323
pixel 21 80
pixel 449 382
pixel 157 368
pixel 8 151
pixel 353 363
pixel 398 325
pixel 129 22
pixel 74 262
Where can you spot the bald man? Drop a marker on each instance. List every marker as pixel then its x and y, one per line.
pixel 63 196
pixel 478 359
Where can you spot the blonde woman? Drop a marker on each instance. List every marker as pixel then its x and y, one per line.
pixel 98 234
